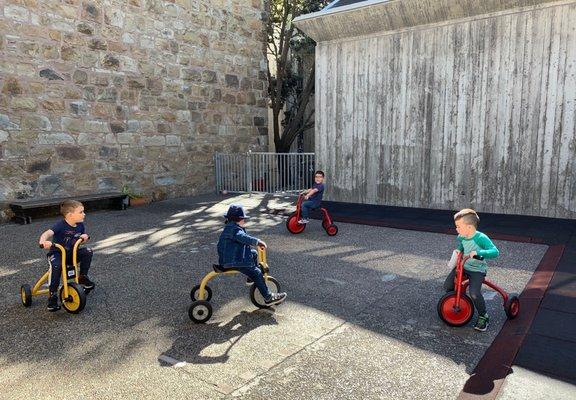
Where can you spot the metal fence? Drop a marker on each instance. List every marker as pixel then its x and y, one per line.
pixel 264 172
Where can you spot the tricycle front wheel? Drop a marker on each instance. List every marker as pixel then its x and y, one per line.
pixel 76 300
pixel 257 298
pixel 293 226
pixel 452 315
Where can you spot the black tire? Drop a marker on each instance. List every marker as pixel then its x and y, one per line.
pixel 77 298
pixel 256 297
pixel 26 295
pixel 332 230
pixel 512 306
pixel 454 318
pixel 194 293
pixel 200 311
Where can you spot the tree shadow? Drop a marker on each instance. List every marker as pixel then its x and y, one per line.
pixel 189 348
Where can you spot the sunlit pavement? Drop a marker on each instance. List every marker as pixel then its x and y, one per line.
pixel 360 320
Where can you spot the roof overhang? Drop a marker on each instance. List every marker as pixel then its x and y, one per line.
pixel 373 16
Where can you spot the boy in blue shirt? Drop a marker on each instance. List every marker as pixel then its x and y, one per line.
pixel 234 251
pixel 472 242
pixel 312 197
pixel 66 232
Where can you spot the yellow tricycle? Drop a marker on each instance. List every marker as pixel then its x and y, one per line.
pixel 72 294
pixel 201 310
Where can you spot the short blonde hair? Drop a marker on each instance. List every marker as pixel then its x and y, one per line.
pixel 468 216
pixel 69 206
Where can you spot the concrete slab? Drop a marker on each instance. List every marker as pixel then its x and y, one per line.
pixel 527 385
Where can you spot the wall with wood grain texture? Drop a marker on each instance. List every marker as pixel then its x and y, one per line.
pixel 478 113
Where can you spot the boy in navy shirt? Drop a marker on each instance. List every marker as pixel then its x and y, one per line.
pixel 66 232
pixel 312 197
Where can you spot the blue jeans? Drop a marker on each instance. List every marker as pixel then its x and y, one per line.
pixel 255 273
pixel 307 206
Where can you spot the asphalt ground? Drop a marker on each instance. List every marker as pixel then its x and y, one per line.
pixel 360 321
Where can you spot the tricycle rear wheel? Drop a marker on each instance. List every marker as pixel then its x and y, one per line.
pixel 26 295
pixel 512 306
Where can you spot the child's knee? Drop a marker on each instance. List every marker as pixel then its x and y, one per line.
pixel 476 295
pixel 86 253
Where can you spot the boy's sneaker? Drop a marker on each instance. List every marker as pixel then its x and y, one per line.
pixel 53 302
pixel 276 298
pixel 249 282
pixel 303 221
pixel 85 282
pixel 482 323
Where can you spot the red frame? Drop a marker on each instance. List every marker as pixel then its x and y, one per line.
pixel 326 219
pixel 461 284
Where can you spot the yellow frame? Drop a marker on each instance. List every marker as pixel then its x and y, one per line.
pixel 36 291
pixel 213 274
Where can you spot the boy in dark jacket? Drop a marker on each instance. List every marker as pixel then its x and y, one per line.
pixel 234 251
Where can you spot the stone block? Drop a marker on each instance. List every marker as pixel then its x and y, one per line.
pixel 38 166
pixel 55 105
pixel 35 122
pixel 16 13
pixel 71 153
pixel 12 87
pixel 85 28
pixel 80 77
pixel 156 140
pixel 55 138
pixel 50 75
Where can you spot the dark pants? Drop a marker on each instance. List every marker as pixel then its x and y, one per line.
pixel 307 206
pixel 255 273
pixel 55 260
pixel 474 288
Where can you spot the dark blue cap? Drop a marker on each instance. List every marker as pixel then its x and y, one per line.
pixel 236 211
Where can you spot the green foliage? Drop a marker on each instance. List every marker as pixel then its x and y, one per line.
pixel 127 190
pixel 286 47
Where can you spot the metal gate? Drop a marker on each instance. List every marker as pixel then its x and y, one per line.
pixel 264 172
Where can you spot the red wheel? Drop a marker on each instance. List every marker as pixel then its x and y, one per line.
pixel 452 316
pixel 293 225
pixel 332 230
pixel 512 306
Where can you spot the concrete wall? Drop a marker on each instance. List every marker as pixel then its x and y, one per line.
pixel 98 94
pixel 478 112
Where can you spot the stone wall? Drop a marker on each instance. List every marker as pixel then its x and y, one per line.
pixel 95 95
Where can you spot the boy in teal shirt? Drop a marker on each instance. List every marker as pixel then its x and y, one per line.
pixel 471 243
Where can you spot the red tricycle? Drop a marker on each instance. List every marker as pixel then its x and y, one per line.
pixel 456 308
pixel 295 227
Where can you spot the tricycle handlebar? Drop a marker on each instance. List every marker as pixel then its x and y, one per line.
pixel 55 245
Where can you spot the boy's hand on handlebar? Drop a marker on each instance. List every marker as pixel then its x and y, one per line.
pixel 84 237
pixel 46 245
pixel 472 254
pixel 261 244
